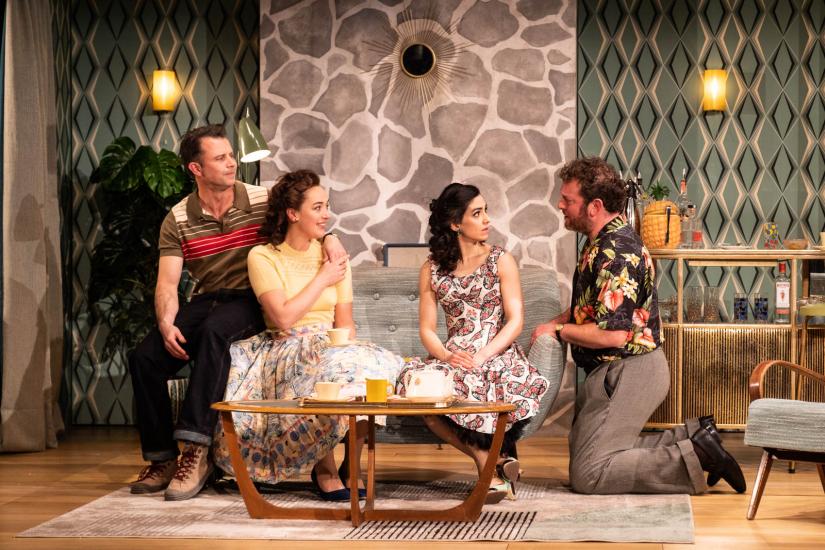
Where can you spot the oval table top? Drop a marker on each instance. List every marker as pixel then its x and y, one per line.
pixel 293 406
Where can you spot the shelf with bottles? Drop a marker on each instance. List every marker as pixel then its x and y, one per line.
pixel 707 357
pixel 684 302
pixel 724 257
pixel 729 325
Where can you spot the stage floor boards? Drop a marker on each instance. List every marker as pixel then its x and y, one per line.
pixel 91 462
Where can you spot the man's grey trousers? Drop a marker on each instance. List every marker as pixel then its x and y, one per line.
pixel 607 453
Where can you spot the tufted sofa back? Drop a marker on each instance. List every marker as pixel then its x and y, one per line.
pixel 385 306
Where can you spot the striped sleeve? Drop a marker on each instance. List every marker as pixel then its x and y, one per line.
pixel 169 240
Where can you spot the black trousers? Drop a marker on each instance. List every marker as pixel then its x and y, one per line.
pixel 209 323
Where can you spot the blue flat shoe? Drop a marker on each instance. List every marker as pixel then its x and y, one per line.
pixel 343 473
pixel 338 495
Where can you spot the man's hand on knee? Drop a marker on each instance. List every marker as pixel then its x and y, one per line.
pixel 546 328
pixel 172 338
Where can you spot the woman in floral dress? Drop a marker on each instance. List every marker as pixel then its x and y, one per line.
pixel 302 295
pixel 478 287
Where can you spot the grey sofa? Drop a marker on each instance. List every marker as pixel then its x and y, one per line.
pixel 385 308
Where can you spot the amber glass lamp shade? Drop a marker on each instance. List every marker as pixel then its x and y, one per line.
pixel 165 91
pixel 714 90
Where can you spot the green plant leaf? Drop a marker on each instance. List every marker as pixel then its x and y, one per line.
pixel 164 174
pixel 117 171
pixel 137 186
pixel 658 191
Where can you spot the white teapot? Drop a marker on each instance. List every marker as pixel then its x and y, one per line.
pixel 430 383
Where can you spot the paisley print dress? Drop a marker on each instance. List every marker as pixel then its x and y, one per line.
pixel 474 313
pixel 286 365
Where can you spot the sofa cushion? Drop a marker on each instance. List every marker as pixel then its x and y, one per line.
pixel 385 308
pixel 786 424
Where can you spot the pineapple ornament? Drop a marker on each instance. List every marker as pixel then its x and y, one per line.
pixel 660 222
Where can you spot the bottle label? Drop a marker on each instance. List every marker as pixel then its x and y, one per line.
pixel 783 294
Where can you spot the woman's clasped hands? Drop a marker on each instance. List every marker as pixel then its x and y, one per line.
pixel 464 360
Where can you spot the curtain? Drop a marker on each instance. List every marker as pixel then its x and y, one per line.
pixel 32 332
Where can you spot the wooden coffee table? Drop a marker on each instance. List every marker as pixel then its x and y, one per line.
pixel 258 507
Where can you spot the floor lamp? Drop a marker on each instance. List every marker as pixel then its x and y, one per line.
pixel 251 146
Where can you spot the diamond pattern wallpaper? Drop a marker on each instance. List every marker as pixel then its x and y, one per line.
pixel 106 52
pixel 61 35
pixel 640 66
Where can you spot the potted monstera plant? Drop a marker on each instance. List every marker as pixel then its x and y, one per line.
pixel 136 188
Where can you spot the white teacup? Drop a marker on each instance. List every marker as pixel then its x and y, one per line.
pixel 822 238
pixel 327 390
pixel 338 336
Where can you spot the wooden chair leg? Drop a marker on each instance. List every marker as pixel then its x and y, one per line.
pixel 820 468
pixel 759 484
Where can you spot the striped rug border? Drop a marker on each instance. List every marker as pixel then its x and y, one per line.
pixel 490 526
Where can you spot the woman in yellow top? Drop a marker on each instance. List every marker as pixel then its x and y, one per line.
pixel 302 296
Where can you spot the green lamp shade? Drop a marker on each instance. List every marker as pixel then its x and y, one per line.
pixel 251 143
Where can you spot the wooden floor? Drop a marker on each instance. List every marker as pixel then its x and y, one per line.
pixel 91 462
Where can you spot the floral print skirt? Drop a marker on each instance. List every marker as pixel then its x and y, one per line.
pixel 286 365
pixel 507 377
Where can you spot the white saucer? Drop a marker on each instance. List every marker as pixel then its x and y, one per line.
pixel 818 246
pixel 344 344
pixel 339 399
pixel 733 246
pixel 428 398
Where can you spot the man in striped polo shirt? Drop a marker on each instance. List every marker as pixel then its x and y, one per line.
pixel 210 232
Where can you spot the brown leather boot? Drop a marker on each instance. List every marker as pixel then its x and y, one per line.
pixel 154 477
pixel 194 470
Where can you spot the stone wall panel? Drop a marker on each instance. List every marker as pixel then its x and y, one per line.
pixel 454 126
pixel 504 121
pixel 524 105
pixel 525 64
pixel 343 97
pixel 297 83
pixel 488 23
pixel 308 30
pixel 394 154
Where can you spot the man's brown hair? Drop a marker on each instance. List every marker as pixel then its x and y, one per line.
pixel 190 144
pixel 597 180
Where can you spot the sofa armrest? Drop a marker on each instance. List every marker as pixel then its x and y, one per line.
pixel 547 356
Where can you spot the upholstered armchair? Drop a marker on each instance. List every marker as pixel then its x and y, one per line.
pixel 786 429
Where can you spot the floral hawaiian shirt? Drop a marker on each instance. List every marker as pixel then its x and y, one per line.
pixel 615 287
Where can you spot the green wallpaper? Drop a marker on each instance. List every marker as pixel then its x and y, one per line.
pixel 61 35
pixel 640 65
pixel 106 52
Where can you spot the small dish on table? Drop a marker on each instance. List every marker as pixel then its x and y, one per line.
pixel 345 344
pixel 437 402
pixel 796 244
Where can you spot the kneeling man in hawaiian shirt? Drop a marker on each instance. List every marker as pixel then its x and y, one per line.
pixel 613 328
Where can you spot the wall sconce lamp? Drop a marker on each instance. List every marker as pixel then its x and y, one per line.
pixel 251 145
pixel 714 90
pixel 165 91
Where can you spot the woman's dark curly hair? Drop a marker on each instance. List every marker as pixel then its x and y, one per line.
pixel 288 192
pixel 448 209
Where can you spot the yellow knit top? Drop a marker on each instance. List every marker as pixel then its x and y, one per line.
pixel 290 270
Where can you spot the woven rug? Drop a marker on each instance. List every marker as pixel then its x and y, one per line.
pixel 544 511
